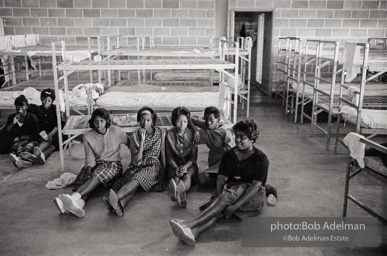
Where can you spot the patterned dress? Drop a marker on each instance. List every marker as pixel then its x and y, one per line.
pixel 150 174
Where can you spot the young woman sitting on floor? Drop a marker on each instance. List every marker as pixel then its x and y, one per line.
pixel 145 169
pixel 20 134
pixel 48 141
pixel 181 155
pixel 102 162
pixel 242 172
pixel 218 139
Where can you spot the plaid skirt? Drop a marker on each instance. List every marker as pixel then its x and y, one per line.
pixel 106 172
pixel 24 146
pixel 151 178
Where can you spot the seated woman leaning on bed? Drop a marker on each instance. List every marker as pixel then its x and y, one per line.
pixel 102 162
pixel 145 169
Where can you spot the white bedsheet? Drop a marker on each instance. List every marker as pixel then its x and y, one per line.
pixel 370 118
pixel 164 100
pixel 7 98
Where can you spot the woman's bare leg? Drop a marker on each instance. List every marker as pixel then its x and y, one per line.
pixel 126 193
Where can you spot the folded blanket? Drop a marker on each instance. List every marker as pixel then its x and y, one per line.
pixel 356 148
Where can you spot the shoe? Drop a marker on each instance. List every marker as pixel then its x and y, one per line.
pixel 181 195
pixel 13 157
pixel 107 204
pixel 115 202
pixel 70 205
pixel 59 204
pixel 23 164
pixel 40 157
pixel 271 199
pixel 173 189
pixel 182 232
pixel 29 157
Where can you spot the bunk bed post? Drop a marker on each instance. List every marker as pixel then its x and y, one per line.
pixel 299 64
pixel 100 54
pixel 332 94
pixel 58 113
pixel 305 62
pixel 27 68
pixel 343 73
pixel 89 48
pixel 316 84
pixel 362 85
pixel 248 78
pixel 236 89
pixel 65 78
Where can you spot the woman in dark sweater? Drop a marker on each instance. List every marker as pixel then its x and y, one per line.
pixel 20 134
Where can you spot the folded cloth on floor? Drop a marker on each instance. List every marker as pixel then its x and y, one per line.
pixel 351 59
pixel 65 180
pixel 353 92
pixel 356 148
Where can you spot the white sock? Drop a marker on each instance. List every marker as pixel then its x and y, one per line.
pixel 81 203
pixel 76 196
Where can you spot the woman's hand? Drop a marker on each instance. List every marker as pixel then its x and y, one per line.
pixel 177 171
pixel 229 211
pixel 142 135
pixel 196 138
pixel 16 118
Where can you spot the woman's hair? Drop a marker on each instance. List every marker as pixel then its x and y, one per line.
pixel 146 109
pixel 20 100
pixel 248 127
pixel 103 113
pixel 178 112
pixel 47 93
pixel 212 110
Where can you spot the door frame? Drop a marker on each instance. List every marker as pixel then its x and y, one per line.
pixel 230 34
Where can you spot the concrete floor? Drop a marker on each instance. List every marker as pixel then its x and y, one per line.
pixel 310 183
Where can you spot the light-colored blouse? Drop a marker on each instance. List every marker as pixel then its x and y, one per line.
pixel 104 147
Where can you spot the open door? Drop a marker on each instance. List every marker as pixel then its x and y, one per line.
pixel 258 25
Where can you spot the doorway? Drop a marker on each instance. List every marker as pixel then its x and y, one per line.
pixel 257 24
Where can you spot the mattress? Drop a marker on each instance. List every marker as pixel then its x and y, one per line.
pixel 7 98
pixel 158 100
pixel 370 118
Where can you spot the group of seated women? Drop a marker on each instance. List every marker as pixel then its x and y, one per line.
pixel 31 134
pixel 237 169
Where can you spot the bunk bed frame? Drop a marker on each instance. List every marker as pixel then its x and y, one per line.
pixel 145 49
pixel 74 128
pixel 375 170
pixel 368 63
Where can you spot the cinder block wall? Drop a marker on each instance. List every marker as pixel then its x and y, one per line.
pixel 171 22
pixel 340 20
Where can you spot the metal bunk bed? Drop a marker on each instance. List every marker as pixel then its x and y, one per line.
pixel 293 77
pixel 76 125
pixel 373 167
pixel 327 53
pixel 145 49
pixel 369 117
